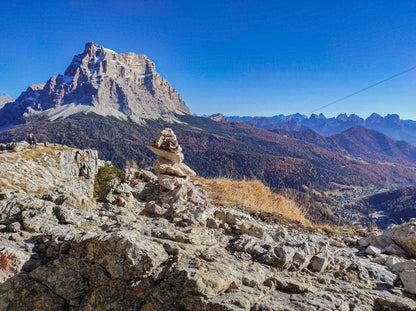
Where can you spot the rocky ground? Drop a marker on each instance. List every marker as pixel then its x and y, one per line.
pixel 145 247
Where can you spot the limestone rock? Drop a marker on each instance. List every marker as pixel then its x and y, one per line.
pixel 163 166
pixel 372 250
pixel 4 99
pixel 396 239
pixel 404 266
pixel 319 263
pixel 393 249
pixel 218 117
pixel 392 260
pixel 300 261
pixel 409 281
pixel 49 168
pixel 377 240
pixel 170 182
pixel 134 176
pixel 405 236
pixel 104 82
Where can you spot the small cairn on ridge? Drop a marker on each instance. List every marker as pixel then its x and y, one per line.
pixel 171 170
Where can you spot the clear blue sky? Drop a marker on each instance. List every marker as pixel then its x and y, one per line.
pixel 241 57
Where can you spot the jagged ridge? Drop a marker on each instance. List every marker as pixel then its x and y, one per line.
pixel 105 82
pixel 390 125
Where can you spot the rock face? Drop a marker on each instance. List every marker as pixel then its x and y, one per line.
pixel 218 117
pixel 172 172
pixel 101 81
pixel 4 99
pixel 48 168
pixel 396 239
pixel 145 248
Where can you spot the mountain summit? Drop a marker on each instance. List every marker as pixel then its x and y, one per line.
pixel 4 99
pixel 101 81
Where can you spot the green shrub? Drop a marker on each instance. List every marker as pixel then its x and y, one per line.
pixel 105 175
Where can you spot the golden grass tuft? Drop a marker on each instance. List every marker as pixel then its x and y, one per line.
pixel 4 184
pixel 40 150
pixel 253 195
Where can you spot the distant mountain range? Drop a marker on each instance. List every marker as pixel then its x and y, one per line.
pixel 390 125
pixel 360 143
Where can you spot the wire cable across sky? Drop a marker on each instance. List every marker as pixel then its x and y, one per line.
pixel 365 89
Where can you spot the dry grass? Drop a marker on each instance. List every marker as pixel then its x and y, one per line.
pixel 334 230
pixel 38 155
pixel 253 195
pixel 40 150
pixel 386 163
pixel 4 184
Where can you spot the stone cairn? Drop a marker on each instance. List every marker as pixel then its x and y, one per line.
pixel 171 170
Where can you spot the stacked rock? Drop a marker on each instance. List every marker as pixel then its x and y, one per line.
pixel 172 172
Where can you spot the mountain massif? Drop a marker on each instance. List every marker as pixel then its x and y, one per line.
pixel 102 81
pixel 390 125
pixel 360 143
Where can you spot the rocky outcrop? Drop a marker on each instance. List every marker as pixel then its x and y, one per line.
pixel 218 117
pixel 47 168
pixel 104 82
pixel 4 99
pixel 398 241
pixel 15 112
pixel 172 172
pixel 8 147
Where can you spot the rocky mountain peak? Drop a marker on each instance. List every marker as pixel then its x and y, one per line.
pixel 393 118
pixel 104 82
pixel 4 99
pixel 218 117
pixel 374 118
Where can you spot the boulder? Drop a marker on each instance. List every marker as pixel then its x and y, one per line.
pixel 374 239
pixel 405 237
pixel 372 250
pixel 319 263
pixel 392 260
pixel 400 267
pixel 393 249
pixel 174 157
pixel 170 182
pixel 132 176
pixel 163 166
pixel 409 281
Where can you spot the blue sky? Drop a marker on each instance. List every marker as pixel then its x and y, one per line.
pixel 241 57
